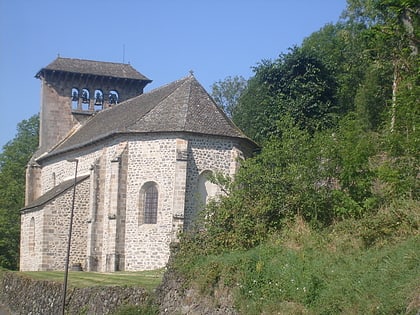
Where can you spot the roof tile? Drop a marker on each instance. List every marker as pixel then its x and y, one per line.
pixel 101 68
pixel 181 106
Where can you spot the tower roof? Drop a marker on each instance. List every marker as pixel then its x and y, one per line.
pixel 100 68
pixel 181 106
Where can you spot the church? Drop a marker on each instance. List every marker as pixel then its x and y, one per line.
pixel 132 167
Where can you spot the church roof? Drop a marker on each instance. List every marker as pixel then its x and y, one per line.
pixel 100 68
pixel 53 193
pixel 181 106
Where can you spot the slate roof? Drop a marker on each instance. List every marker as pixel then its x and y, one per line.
pixel 53 193
pixel 100 68
pixel 181 106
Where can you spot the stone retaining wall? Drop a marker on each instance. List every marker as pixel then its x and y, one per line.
pixel 27 296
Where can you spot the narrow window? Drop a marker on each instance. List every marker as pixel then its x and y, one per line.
pixel 148 204
pixel 113 97
pixel 85 99
pixel 99 100
pixel 206 190
pixel 74 98
pixel 31 240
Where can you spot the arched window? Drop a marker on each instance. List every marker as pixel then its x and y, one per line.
pixel 113 97
pixel 99 100
pixel 206 189
pixel 74 98
pixel 149 203
pixel 31 239
pixel 85 99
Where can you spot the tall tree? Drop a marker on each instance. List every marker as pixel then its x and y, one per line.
pixel 15 156
pixel 226 92
pixel 392 28
pixel 296 84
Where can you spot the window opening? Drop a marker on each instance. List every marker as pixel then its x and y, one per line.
pixel 85 99
pixel 99 100
pixel 150 205
pixel 113 97
pixel 31 241
pixel 74 98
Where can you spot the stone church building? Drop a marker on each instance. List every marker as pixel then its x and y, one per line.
pixel 133 166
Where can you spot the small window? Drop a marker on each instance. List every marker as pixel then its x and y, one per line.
pixel 99 100
pixel 31 240
pixel 148 204
pixel 113 97
pixel 206 189
pixel 74 98
pixel 85 99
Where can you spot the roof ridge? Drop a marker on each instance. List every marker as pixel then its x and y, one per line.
pixel 166 85
pixel 179 81
pixel 188 103
pixel 91 60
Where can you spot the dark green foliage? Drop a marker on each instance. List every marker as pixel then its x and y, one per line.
pixel 339 124
pixel 13 160
pixel 296 84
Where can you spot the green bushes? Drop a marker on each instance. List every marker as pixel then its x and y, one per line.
pixel 307 271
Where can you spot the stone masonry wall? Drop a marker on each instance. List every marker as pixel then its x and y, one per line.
pixel 147 158
pixel 150 159
pixel 31 255
pixel 205 154
pixel 51 226
pixel 56 231
pixel 23 295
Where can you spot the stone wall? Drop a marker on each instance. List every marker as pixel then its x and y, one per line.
pixel 174 297
pixel 109 232
pixel 23 295
pixel 44 233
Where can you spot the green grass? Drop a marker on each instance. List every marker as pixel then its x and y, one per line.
pixel 146 279
pixel 312 280
pixel 370 266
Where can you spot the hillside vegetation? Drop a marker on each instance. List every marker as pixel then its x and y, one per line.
pixel 325 219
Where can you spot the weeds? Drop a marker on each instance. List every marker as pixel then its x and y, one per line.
pixel 303 270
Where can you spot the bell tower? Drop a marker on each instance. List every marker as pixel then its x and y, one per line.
pixel 72 90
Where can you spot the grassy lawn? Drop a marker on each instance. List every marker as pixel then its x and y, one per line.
pixel 146 279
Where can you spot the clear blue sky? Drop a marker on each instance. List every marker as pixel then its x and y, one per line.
pixel 161 39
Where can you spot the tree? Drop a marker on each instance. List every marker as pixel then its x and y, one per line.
pixel 296 84
pixel 392 29
pixel 15 156
pixel 226 93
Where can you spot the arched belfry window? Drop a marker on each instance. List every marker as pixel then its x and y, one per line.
pixel 113 97
pixel 99 100
pixel 85 99
pixel 74 98
pixel 149 197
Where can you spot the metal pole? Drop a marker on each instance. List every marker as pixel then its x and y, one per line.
pixel 66 266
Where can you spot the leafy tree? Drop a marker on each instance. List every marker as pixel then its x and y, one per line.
pixel 342 50
pixel 13 159
pixel 226 93
pixel 296 84
pixel 393 34
pixel 392 30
